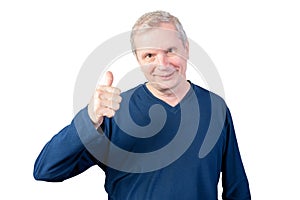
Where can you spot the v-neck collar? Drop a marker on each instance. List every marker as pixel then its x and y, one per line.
pixel 165 104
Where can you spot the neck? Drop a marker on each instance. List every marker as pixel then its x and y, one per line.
pixel 170 96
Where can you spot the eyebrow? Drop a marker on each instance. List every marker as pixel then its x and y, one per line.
pixel 173 47
pixel 147 50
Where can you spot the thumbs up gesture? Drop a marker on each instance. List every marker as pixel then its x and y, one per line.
pixel 105 101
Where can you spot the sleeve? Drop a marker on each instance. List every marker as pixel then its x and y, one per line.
pixel 234 180
pixel 65 155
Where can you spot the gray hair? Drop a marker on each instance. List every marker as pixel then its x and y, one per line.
pixel 154 19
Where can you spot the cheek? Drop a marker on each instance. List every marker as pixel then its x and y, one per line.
pixel 147 69
pixel 179 63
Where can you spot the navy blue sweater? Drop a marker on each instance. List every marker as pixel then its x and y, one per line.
pixel 151 150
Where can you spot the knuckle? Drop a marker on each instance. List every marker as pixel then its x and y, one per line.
pixel 119 99
pixel 117 106
pixel 117 91
pixel 112 113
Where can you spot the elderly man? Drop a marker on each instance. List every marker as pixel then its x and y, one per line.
pixel 95 136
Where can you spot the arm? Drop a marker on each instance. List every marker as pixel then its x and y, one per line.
pixel 65 156
pixel 234 179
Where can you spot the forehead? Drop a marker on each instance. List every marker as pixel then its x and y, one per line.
pixel 157 38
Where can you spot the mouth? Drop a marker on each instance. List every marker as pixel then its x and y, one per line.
pixel 165 76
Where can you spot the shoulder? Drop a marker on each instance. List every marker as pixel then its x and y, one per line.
pixel 207 97
pixel 134 95
pixel 137 89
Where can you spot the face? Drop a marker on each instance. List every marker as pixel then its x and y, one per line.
pixel 162 56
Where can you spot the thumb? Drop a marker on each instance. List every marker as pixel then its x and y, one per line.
pixel 109 78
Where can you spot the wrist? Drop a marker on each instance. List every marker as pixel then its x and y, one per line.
pixel 96 122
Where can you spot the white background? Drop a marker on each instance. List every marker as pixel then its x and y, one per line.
pixel 254 45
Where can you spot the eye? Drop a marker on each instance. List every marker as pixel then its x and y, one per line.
pixel 171 50
pixel 148 55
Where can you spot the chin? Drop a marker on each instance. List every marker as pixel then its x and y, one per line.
pixel 166 85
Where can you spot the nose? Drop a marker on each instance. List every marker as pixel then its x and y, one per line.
pixel 162 60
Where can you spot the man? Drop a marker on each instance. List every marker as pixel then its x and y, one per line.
pixel 188 119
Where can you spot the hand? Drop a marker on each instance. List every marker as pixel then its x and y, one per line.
pixel 105 101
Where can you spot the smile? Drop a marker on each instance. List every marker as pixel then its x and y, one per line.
pixel 165 76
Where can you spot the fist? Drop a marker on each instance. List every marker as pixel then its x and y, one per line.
pixel 105 101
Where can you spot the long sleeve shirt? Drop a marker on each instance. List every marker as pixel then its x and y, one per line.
pixel 181 159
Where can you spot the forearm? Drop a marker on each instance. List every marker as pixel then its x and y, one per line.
pixel 65 154
pixel 234 179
